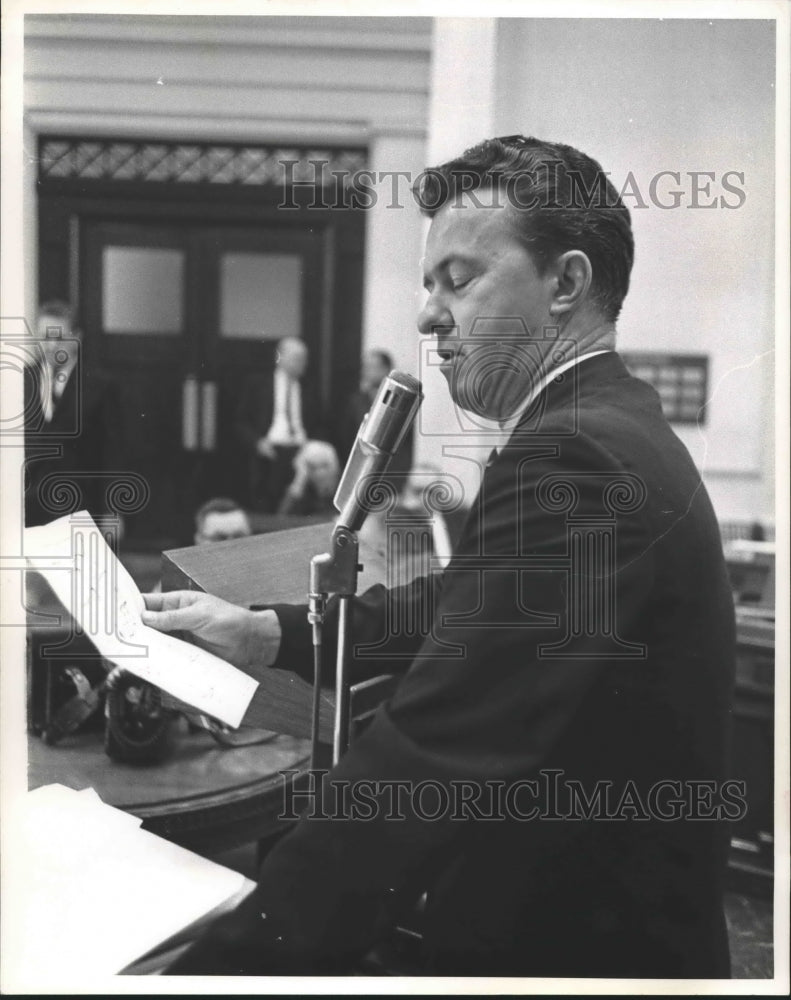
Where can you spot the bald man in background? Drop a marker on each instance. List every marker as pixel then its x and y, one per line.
pixel 273 421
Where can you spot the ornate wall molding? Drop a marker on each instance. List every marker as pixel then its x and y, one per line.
pixel 154 161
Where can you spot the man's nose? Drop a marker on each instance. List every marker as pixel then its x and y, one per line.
pixel 433 314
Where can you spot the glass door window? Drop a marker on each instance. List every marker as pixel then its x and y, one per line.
pixel 142 290
pixel 260 296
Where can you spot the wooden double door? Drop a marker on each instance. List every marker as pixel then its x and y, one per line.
pixel 179 305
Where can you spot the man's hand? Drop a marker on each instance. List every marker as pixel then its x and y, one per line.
pixel 244 638
pixel 298 484
pixel 265 448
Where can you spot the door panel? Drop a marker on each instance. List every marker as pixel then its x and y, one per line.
pixel 179 315
pixel 134 293
pixel 261 285
pixel 134 286
pixel 143 290
pixel 260 295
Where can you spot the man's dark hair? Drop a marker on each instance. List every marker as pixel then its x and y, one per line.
pixel 563 201
pixel 217 505
pixel 385 359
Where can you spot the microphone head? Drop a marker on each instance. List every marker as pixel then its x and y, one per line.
pixel 392 411
pixel 380 434
pixel 406 380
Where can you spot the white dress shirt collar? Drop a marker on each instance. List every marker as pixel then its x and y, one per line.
pixel 507 426
pixel 287 428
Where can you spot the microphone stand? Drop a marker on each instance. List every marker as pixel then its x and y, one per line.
pixel 333 572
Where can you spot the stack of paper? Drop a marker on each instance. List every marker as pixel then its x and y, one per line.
pixel 100 892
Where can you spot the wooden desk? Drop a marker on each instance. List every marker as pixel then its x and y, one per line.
pixel 204 797
pixel 262 569
pixel 269 569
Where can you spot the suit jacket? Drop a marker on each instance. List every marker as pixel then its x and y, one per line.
pixel 69 461
pixel 352 415
pixel 256 410
pixel 583 632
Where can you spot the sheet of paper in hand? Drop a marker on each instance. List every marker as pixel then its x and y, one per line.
pixel 72 554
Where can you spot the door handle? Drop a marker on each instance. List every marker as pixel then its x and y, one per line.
pixel 189 414
pixel 208 416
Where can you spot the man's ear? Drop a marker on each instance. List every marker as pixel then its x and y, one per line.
pixel 574 275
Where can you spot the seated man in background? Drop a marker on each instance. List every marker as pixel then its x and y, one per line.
pixel 273 421
pixel 374 367
pixel 316 475
pixel 376 364
pixel 219 519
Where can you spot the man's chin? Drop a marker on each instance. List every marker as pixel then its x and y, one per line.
pixel 488 406
pixel 464 394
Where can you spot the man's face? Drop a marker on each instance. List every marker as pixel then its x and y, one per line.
pixel 487 302
pixel 219 526
pixel 322 473
pixel 293 358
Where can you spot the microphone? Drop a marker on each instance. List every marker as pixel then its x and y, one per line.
pixel 381 432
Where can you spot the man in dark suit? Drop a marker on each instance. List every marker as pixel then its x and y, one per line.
pixel 274 419
pixel 376 364
pixel 73 433
pixel 559 735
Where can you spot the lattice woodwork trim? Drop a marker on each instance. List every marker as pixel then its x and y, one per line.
pixel 193 163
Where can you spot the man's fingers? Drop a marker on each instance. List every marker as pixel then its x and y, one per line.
pixel 154 602
pixel 170 600
pixel 172 611
pixel 179 619
pixel 164 621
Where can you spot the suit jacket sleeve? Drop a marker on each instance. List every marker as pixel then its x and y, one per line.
pixel 377 648
pixel 479 702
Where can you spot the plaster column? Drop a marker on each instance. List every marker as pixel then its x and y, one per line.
pixel 461 113
pixel 393 247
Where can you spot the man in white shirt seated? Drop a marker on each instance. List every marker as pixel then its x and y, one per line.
pixel 271 423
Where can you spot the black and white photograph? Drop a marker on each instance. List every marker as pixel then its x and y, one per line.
pixel 394 443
